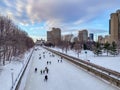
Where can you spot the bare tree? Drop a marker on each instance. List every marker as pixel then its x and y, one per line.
pixel 13 41
pixel 77 48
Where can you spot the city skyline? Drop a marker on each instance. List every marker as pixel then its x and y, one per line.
pixel 37 17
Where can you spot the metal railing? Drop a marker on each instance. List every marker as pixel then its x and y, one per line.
pixel 17 81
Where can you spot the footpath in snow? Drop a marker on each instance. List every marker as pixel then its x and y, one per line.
pixel 61 76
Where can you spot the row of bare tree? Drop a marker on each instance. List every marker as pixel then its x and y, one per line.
pixel 13 41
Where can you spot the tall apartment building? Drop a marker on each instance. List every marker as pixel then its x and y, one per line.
pixel 49 36
pixel 114 26
pixel 83 36
pixel 54 36
pixel 91 37
pixel 100 39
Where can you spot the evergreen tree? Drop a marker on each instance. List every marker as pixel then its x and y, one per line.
pixel 113 48
pixel 84 46
pixel 98 49
pixel 107 47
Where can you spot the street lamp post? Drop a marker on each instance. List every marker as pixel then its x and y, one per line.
pixel 86 54
pixel 12 76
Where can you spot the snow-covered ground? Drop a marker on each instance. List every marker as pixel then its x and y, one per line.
pixel 10 70
pixel 111 62
pixel 62 76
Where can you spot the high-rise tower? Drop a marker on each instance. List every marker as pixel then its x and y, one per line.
pixel 114 26
pixel 54 36
pixel 83 36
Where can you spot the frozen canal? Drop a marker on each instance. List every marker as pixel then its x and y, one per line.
pixel 61 76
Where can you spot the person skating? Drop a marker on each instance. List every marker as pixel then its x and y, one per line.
pixel 41 71
pixel 47 70
pixel 46 78
pixel 35 69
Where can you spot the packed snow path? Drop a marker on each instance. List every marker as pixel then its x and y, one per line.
pixel 61 76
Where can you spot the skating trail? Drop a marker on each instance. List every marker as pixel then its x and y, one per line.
pixel 61 76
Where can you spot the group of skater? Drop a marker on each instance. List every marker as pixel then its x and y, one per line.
pixel 51 55
pixel 48 62
pixel 45 71
pixel 40 56
pixel 60 60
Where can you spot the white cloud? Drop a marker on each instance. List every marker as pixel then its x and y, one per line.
pixel 73 11
pixel 66 14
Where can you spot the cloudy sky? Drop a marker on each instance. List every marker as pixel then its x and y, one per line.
pixel 38 16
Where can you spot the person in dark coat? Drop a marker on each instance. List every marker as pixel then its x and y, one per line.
pixel 39 57
pixel 41 71
pixel 35 69
pixel 47 62
pixel 46 78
